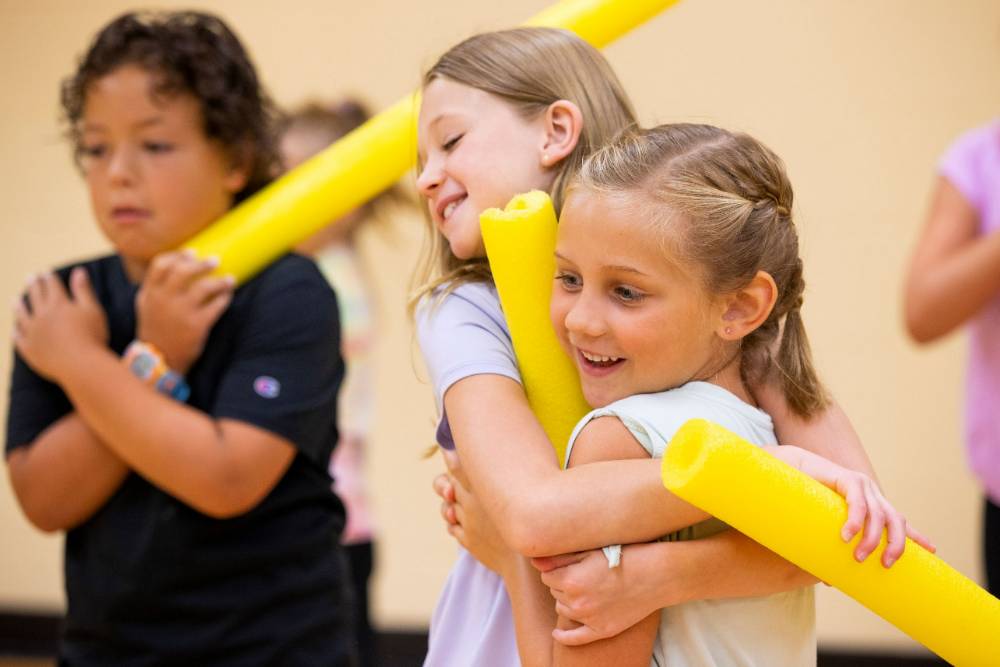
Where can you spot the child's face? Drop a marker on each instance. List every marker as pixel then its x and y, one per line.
pixel 477 152
pixel 634 318
pixel 155 179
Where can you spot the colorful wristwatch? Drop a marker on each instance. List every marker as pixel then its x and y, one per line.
pixel 147 364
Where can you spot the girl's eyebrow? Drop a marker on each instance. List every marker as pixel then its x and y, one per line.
pixel 612 267
pixel 626 269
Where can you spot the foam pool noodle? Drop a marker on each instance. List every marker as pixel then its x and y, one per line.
pixel 800 519
pixel 520 244
pixel 370 159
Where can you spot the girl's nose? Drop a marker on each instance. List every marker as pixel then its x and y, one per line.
pixel 584 318
pixel 429 178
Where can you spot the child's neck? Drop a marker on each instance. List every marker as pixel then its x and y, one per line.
pixel 135 270
pixel 728 377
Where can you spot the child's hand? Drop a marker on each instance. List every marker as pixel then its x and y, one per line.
pixel 468 522
pixel 51 329
pixel 590 593
pixel 178 304
pixel 867 508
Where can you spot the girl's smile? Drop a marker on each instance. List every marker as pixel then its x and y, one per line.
pixel 476 151
pixel 635 319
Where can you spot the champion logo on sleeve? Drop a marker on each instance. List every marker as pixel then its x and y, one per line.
pixel 266 386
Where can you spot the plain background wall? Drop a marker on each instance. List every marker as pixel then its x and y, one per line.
pixel 859 97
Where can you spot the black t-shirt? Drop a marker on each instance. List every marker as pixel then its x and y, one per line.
pixel 149 580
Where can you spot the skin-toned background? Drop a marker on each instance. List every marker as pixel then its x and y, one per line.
pixel 860 99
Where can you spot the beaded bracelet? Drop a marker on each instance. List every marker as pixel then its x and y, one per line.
pixel 147 364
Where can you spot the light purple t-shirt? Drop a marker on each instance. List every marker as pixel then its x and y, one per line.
pixel 972 165
pixel 466 335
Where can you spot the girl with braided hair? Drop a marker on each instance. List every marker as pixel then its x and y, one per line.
pixel 683 233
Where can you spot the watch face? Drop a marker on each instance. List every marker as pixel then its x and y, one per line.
pixel 143 364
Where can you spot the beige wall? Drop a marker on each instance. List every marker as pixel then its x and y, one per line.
pixel 859 97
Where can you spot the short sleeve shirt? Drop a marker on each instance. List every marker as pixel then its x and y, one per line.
pixel 972 165
pixel 462 334
pixel 760 631
pixel 150 580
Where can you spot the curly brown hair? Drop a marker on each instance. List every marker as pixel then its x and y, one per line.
pixel 188 53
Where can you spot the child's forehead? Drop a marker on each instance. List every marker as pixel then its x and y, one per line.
pixel 132 97
pixel 444 99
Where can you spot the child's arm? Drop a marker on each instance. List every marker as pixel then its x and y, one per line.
pixel 602 439
pixel 662 574
pixel 538 509
pixel 724 566
pixel 221 467
pixel 603 603
pixel 830 436
pixel 531 602
pixel 65 475
pixel 953 273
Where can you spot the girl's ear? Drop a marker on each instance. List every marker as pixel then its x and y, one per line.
pixel 747 308
pixel 563 124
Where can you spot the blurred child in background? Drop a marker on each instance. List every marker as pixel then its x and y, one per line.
pixel 308 130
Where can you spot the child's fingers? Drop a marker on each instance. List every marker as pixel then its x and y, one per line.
pixel 873 527
pixel 443 488
pixel 458 533
pixel 49 289
pixel 21 318
pixel 214 308
pixel 448 513
pixel 920 538
pixel 578 636
pixel 895 539
pixel 80 289
pixel 206 288
pixel 35 289
pixel 175 270
pixel 549 563
pixel 161 268
pixel 857 510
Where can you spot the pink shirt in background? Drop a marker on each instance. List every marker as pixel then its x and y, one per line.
pixel 972 165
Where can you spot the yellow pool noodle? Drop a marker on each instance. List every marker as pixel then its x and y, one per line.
pixel 520 244
pixel 800 519
pixel 370 159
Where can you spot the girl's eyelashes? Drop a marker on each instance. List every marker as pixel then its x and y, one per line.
pixel 569 281
pixel 628 294
pixel 452 142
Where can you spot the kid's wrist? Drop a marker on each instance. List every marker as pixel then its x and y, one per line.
pixel 145 361
pixel 661 570
pixel 177 362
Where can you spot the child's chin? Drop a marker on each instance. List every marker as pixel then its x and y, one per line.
pixel 598 399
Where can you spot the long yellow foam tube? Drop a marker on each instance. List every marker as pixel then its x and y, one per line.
pixel 520 243
pixel 800 519
pixel 370 159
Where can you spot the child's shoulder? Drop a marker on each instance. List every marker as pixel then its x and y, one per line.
pixel 107 277
pixel 109 266
pixel 291 291
pixel 292 276
pixel 655 418
pixel 459 303
pixel 974 143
